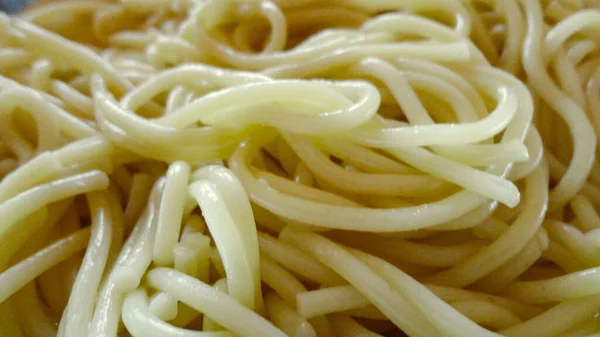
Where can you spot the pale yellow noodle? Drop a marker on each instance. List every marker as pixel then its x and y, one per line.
pixel 296 261
pixel 329 252
pixel 20 274
pixel 302 168
pixel 286 318
pixel 582 156
pixel 517 265
pixel 170 213
pixel 202 296
pixel 92 267
pixel 524 227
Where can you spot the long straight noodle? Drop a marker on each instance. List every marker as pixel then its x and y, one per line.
pixel 446 319
pixel 286 318
pixel 342 298
pixel 170 213
pixel 371 285
pixel 570 313
pixel 517 265
pixel 293 259
pixel 486 314
pixel 20 274
pixel 92 268
pixel 122 278
pixel 55 293
pixel 281 281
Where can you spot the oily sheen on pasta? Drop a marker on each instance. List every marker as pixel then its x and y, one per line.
pixel 307 168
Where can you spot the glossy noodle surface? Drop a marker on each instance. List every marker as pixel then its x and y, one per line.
pixel 307 168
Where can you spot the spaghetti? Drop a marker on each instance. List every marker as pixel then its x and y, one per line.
pixel 205 168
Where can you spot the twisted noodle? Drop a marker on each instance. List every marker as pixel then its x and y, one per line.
pixel 300 168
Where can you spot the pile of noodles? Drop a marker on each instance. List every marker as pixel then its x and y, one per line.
pixel 195 168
